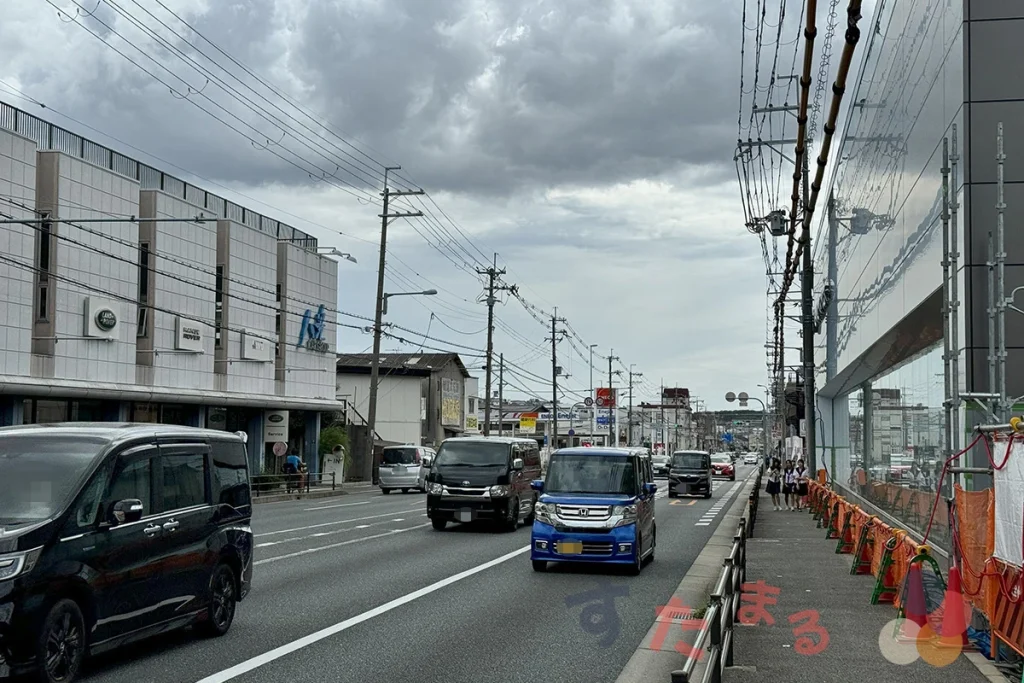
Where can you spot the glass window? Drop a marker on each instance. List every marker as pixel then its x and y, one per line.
pixel 39 474
pixel 184 479
pixel 690 461
pixel 231 473
pixel 87 508
pixel 400 456
pixel 473 453
pixel 598 474
pixel 134 480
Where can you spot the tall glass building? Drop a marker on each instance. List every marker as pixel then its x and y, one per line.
pixel 931 71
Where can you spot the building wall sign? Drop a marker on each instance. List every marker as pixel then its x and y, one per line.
pixel 275 426
pixel 101 318
pixel 311 331
pixel 451 402
pixel 528 423
pixel 256 348
pixel 188 334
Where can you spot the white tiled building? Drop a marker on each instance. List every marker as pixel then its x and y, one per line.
pixel 129 294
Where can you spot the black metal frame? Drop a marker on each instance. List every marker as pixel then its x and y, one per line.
pixel 260 483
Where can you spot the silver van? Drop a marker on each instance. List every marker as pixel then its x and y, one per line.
pixel 404 467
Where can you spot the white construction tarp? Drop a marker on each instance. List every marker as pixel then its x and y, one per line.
pixel 1009 490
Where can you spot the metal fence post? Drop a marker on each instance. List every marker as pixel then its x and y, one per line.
pixel 714 663
pixel 730 613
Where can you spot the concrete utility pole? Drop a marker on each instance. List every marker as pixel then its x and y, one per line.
pixel 808 334
pixel 385 219
pixel 492 274
pixel 501 395
pixel 629 432
pixel 593 396
pixel 554 377
pixel 612 403
pixel 661 404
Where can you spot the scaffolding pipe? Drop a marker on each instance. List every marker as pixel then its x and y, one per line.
pixel 954 296
pixel 1002 409
pixel 991 310
pixel 946 356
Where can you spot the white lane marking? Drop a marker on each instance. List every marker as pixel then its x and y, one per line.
pixel 703 524
pixel 362 526
pixel 336 505
pixel 400 519
pixel 708 517
pixel 323 524
pixel 279 652
pixel 307 551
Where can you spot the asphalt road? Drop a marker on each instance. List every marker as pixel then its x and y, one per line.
pixel 360 587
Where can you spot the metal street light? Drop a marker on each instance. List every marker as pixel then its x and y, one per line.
pixel 743 397
pixel 331 251
pixel 425 292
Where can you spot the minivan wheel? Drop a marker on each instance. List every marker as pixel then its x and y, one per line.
pixel 512 520
pixel 385 491
pixel 60 648
pixel 439 524
pixel 539 565
pixel 405 490
pixel 221 611
pixel 638 562
pixel 533 513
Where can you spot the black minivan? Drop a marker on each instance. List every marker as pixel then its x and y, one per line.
pixel 110 533
pixel 690 473
pixel 483 478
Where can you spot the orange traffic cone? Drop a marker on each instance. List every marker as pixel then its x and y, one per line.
pixel 954 614
pixel 915 608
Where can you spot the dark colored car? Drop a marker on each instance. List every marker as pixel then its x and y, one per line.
pixel 483 479
pixel 722 465
pixel 690 474
pixel 110 533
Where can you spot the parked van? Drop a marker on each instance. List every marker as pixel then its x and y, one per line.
pixel 110 533
pixel 403 467
pixel 690 473
pixel 596 505
pixel 483 478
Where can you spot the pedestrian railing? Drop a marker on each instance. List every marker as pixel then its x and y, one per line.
pixel 274 484
pixel 716 632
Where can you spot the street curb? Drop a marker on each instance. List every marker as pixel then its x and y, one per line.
pixel 985 667
pixel 646 664
pixel 312 495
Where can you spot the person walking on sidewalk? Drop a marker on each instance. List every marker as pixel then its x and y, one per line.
pixel 801 484
pixel 774 483
pixel 789 485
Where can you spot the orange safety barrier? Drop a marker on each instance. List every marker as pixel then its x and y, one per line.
pixel 847 540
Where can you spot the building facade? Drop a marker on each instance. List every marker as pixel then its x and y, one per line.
pixel 131 295
pixel 928 69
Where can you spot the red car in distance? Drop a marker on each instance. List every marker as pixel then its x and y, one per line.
pixel 721 466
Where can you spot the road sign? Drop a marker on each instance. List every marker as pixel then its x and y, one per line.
pixel 606 397
pixel 572 432
pixel 588 401
pixel 280 448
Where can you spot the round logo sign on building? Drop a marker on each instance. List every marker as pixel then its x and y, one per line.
pixel 106 320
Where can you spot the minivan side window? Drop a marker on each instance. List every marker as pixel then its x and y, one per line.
pixel 86 510
pixel 230 476
pixel 184 481
pixel 532 458
pixel 133 480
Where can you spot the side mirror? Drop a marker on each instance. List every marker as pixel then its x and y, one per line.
pixel 426 461
pixel 537 484
pixel 126 511
pixel 650 489
pixel 517 464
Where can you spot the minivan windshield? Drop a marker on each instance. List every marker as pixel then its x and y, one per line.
pixel 38 474
pixel 609 474
pixel 688 461
pixel 473 454
pixel 399 456
pixel 721 458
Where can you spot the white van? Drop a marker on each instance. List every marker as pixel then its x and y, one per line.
pixel 404 467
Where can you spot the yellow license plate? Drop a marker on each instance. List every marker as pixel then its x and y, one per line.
pixel 570 548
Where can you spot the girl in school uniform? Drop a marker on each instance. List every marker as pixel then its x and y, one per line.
pixel 801 484
pixel 774 483
pixel 789 485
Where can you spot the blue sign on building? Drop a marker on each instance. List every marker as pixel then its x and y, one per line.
pixel 311 330
pixel 603 420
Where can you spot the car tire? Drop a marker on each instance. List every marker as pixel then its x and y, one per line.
pixel 62 634
pixel 539 565
pixel 512 519
pixel 385 491
pixel 532 517
pixel 223 601
pixel 439 524
pixel 732 478
pixel 405 490
pixel 638 563
pixel 707 494
pixel 654 542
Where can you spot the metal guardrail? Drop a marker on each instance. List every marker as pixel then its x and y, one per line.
pixel 716 633
pixel 274 484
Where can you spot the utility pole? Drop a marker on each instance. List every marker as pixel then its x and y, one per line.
pixel 808 334
pixel 613 404
pixel 492 274
pixel 501 395
pixel 554 377
pixel 661 405
pixel 385 219
pixel 593 396
pixel 629 432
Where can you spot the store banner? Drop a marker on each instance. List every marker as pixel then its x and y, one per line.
pixel 528 423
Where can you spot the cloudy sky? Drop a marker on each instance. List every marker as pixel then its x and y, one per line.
pixel 589 143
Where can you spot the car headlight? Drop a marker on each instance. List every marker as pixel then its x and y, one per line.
pixel 435 489
pixel 500 491
pixel 18 563
pixel 626 512
pixel 544 512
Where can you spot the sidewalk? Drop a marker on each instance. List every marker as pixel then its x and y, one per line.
pixel 790 554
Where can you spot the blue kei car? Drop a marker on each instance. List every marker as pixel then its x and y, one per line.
pixel 596 505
